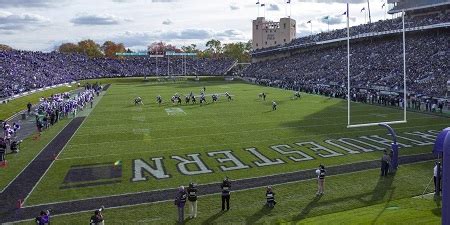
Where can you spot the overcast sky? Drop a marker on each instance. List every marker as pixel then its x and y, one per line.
pixel 44 24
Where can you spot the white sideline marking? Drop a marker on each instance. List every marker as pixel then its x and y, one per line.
pixel 205 195
pixel 51 164
pixel 175 111
pixel 33 158
pixel 138 118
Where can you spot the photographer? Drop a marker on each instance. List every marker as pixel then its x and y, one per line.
pixel 43 218
pixel 192 200
pixel 97 218
pixel 15 146
pixel 2 149
pixel 270 197
pixel 226 189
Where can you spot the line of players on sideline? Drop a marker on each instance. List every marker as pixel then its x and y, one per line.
pixel 191 98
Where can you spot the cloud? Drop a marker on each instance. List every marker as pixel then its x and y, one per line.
pixel 163 1
pixel 28 3
pixel 234 7
pixel 335 1
pixel 12 22
pixel 333 20
pixel 100 19
pixel 167 22
pixel 273 7
pixel 133 39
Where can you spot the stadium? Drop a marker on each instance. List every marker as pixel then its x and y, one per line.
pixel 322 119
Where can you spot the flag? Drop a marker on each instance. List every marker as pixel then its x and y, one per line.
pixel 364 8
pixel 118 163
pixel 257 3
pixel 383 5
pixel 345 13
pixel 288 2
pixel 262 5
pixel 309 21
pixel 326 17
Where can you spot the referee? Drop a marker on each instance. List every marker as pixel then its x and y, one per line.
pixel 226 190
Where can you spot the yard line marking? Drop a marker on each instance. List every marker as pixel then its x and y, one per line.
pixel 43 175
pixel 34 157
pixel 124 128
pixel 246 142
pixel 216 134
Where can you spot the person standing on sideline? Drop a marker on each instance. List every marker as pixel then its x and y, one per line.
pixel 435 178
pixel 385 160
pixel 274 105
pixel 270 197
pixel 180 201
pixel 226 190
pixel 320 172
pixel 2 150
pixel 29 105
pixel 192 200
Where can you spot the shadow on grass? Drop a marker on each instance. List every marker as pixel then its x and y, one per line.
pixel 212 218
pixel 382 188
pixel 305 211
pixel 257 215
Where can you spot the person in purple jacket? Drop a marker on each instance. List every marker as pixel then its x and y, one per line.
pixel 180 201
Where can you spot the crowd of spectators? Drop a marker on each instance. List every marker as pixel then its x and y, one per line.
pixel 376 65
pixel 21 71
pixel 380 26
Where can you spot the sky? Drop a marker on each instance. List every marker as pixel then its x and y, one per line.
pixel 42 25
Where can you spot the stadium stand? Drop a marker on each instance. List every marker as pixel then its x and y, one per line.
pixel 22 71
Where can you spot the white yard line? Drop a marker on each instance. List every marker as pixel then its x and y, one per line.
pixel 51 164
pixel 34 158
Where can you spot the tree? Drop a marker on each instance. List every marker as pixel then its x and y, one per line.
pixel 215 47
pixel 68 48
pixel 190 48
pixel 161 47
pixel 239 51
pixel 90 48
pixel 110 49
pixel 5 47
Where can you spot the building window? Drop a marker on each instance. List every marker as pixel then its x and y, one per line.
pixel 266 42
pixel 256 44
pixel 257 27
pixel 284 25
pixel 285 40
pixel 275 42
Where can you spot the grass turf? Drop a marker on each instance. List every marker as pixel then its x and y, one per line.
pixel 118 130
pixel 355 198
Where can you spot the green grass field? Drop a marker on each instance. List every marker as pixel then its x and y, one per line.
pixel 117 130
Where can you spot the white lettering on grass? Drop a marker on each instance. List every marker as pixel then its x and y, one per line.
pixel 229 157
pixel 182 165
pixel 284 150
pixel 383 141
pixel 264 161
pixel 348 141
pixel 350 151
pixel 319 149
pixel 140 167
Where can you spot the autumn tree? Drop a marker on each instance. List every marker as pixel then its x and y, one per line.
pixel 5 47
pixel 90 48
pixel 110 49
pixel 69 48
pixel 161 47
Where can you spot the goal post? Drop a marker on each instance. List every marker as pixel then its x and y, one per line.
pixel 349 97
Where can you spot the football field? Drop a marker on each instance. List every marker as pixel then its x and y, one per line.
pixel 122 148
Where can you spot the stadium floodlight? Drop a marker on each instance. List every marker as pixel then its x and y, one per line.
pixel 349 124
